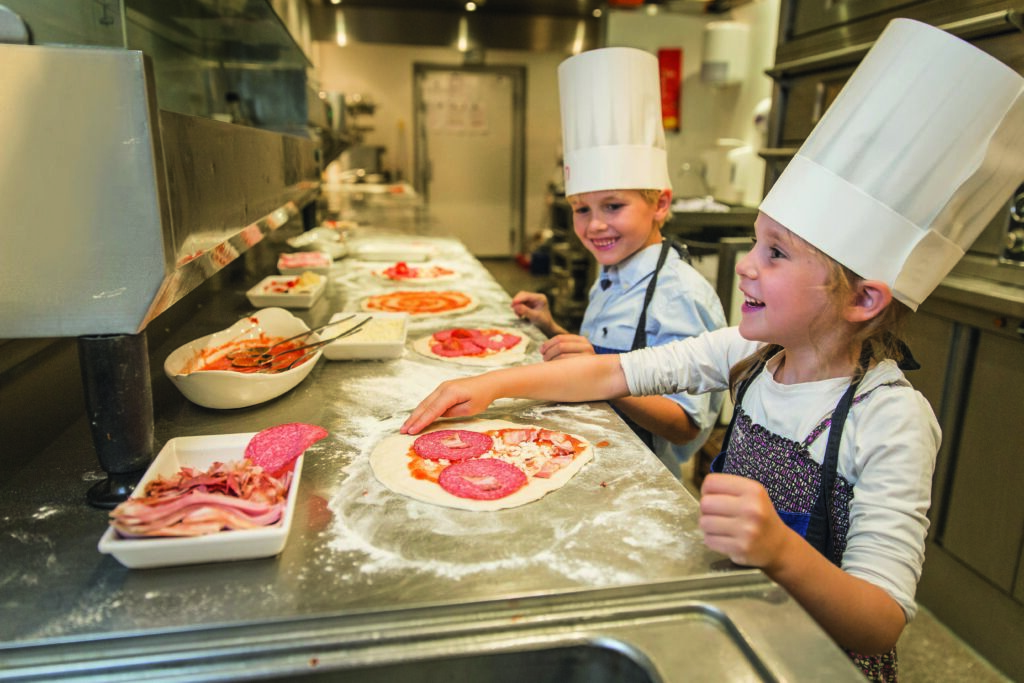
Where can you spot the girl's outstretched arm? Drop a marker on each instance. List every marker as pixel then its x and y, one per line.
pixel 575 379
pixel 739 520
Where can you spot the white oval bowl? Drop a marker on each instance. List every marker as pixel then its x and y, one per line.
pixel 227 389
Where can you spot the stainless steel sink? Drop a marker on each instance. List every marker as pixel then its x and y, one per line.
pixel 733 626
pixel 594 663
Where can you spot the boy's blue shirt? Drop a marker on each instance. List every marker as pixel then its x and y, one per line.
pixel 684 305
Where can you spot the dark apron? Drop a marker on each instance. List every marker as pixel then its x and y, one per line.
pixel 640 335
pixel 826 524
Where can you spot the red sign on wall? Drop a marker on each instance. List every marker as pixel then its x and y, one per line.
pixel 670 66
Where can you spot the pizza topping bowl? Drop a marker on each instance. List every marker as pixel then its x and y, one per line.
pixel 288 291
pixel 204 500
pixel 299 262
pixel 203 371
pixel 382 338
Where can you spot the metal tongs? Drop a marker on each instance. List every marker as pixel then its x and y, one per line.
pixel 252 352
pixel 263 360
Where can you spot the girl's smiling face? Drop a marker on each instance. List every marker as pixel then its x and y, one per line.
pixel 784 282
pixel 615 224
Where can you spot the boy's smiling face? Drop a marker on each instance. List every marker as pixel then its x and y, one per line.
pixel 615 224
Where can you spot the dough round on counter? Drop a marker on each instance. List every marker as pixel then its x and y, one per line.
pixel 492 357
pixel 421 302
pixel 398 468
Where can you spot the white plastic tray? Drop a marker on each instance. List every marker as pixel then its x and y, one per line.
pixel 201 451
pixel 380 339
pixel 262 295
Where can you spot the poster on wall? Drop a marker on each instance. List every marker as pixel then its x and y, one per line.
pixel 454 104
pixel 670 68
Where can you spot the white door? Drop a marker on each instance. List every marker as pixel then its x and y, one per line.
pixel 469 153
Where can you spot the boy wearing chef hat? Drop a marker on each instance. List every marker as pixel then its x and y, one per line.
pixel 616 180
pixel 825 481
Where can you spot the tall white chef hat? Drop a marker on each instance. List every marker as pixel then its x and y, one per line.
pixel 920 149
pixel 612 135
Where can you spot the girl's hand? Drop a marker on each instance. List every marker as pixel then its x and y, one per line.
pixel 565 345
pixel 739 520
pixel 454 398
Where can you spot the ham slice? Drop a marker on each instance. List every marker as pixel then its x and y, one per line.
pixel 237 495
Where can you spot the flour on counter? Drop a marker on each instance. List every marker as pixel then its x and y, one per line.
pixel 377 532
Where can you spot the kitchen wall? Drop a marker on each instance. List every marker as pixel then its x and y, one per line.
pixel 708 113
pixel 384 73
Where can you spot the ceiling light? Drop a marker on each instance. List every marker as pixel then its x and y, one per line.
pixel 340 32
pixel 471 6
pixel 463 41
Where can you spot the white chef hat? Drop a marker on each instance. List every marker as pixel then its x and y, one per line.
pixel 612 135
pixel 922 146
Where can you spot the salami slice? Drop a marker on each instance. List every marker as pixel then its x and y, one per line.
pixel 498 341
pixel 452 444
pixel 481 479
pixel 277 448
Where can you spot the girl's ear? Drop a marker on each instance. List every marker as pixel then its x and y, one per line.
pixel 870 297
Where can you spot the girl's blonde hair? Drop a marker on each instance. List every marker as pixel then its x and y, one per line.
pixel 649 196
pixel 879 338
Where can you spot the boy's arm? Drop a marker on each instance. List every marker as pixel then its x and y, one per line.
pixel 661 416
pixel 576 379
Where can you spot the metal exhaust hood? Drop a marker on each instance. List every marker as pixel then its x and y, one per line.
pixel 113 210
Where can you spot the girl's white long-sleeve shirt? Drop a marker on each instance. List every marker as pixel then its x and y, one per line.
pixel 887 452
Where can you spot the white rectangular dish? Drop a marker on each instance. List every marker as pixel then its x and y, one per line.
pixel 298 262
pixel 381 338
pixel 288 291
pixel 392 250
pixel 223 546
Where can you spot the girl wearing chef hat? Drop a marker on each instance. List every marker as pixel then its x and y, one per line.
pixel 616 180
pixel 826 475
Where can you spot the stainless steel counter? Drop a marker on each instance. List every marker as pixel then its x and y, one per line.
pixel 360 557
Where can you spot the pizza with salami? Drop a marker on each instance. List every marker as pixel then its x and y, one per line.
pixel 421 302
pixel 479 464
pixel 474 346
pixel 425 272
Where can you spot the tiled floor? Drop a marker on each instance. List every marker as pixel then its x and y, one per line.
pixel 929 652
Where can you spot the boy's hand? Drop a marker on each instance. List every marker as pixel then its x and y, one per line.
pixel 454 398
pixel 739 520
pixel 534 307
pixel 565 345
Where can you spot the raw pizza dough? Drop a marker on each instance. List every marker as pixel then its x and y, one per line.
pixel 425 272
pixel 504 357
pixel 414 302
pixel 389 461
